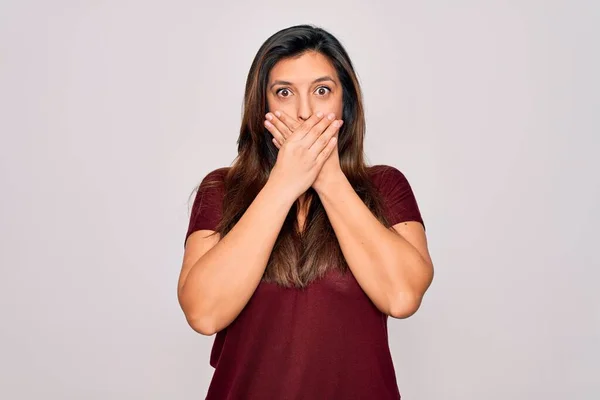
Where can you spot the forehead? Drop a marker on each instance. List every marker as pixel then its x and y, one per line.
pixel 304 69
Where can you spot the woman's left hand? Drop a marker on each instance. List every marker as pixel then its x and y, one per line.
pixel 282 126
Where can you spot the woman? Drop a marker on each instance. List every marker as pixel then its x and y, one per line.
pixel 296 255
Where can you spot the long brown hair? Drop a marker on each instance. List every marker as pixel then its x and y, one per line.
pixel 297 257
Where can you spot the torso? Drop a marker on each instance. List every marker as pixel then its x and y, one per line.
pixel 325 341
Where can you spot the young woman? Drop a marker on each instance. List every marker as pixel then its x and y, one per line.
pixel 296 255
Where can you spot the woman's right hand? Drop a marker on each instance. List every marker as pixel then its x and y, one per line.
pixel 303 153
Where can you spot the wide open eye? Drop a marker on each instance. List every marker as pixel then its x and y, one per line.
pixel 322 91
pixel 283 92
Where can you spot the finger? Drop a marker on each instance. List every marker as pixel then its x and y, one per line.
pixel 283 129
pixel 276 143
pixel 306 126
pixel 318 129
pixel 274 131
pixel 291 123
pixel 324 138
pixel 330 148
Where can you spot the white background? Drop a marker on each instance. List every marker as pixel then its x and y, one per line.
pixel 112 111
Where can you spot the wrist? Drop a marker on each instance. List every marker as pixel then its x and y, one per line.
pixel 280 191
pixel 331 183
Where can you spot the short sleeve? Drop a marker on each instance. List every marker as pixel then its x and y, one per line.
pixel 399 200
pixel 207 208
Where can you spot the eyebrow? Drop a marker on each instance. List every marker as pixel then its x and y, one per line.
pixel 318 80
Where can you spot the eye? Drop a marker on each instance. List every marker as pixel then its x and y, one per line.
pixel 283 92
pixel 323 90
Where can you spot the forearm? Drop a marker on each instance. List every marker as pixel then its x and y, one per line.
pixel 222 281
pixel 388 268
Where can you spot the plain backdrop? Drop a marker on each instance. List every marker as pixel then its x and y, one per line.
pixel 112 111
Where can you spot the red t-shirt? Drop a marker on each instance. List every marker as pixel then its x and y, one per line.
pixel 327 341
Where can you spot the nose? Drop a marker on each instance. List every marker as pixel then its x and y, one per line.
pixel 304 109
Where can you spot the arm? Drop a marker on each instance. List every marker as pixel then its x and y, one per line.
pixel 392 267
pixel 218 277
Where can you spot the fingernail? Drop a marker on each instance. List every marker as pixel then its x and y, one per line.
pixel 269 116
pixel 331 116
pixel 319 114
pixel 267 123
pixel 340 123
pixel 277 114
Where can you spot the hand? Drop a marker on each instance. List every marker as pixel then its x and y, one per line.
pixel 283 126
pixel 303 152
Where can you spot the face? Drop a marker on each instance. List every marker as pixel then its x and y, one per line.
pixel 303 86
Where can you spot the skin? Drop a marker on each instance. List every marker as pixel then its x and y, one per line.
pixel 214 286
pixel 393 267
pixel 298 88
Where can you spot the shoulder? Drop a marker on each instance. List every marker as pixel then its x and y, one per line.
pixel 385 177
pixel 207 207
pixel 211 189
pixel 398 197
pixel 214 180
pixel 210 192
pixel 216 175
